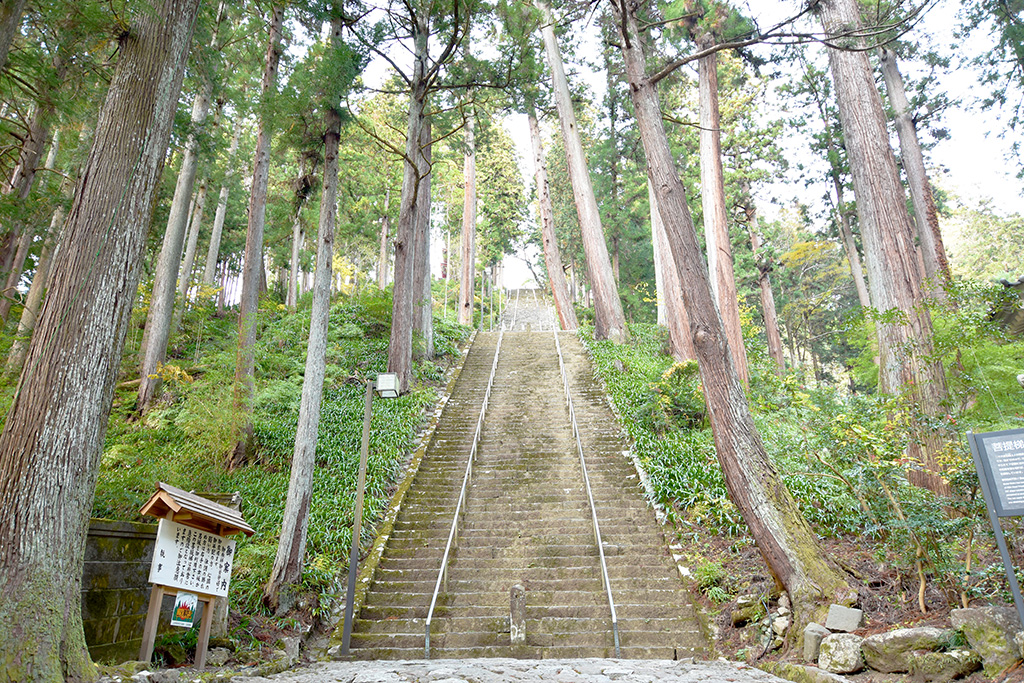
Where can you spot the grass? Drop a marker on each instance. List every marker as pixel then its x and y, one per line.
pixel 185 438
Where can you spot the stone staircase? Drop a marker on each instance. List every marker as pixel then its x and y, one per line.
pixel 527 522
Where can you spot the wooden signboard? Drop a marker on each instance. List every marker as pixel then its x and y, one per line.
pixel 192 556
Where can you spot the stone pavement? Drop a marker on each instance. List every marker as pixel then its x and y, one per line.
pixel 516 670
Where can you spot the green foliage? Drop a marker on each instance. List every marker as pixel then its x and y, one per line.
pixel 185 439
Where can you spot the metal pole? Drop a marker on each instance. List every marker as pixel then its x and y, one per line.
pixel 357 522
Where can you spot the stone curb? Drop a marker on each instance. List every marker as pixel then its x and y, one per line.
pixel 373 558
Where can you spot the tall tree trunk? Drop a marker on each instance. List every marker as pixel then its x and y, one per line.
pixel 10 19
pixel 676 318
pixel 252 269
pixel 18 240
pixel 187 265
pixel 552 257
pixel 161 304
pixel 907 359
pixel 467 277
pixel 424 311
pixel 933 251
pixel 291 549
pixel 764 266
pixel 384 257
pixel 609 321
pixel 298 237
pixel 52 439
pixel 30 311
pixel 716 227
pixel 849 243
pixel 782 534
pixel 213 251
pixel 400 342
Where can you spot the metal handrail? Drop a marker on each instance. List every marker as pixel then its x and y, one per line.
pixel 453 534
pixel 590 493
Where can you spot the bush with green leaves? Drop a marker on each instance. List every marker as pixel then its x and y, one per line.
pixel 185 440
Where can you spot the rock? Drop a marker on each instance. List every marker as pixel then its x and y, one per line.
pixel 840 653
pixel 615 673
pixel 142 676
pixel 165 676
pixel 813 634
pixel 845 619
pixel 889 652
pixel 943 666
pixel 290 645
pixel 217 656
pixel 801 674
pixel 741 617
pixel 334 652
pixel 990 632
pixel 745 601
pixel 784 605
pixel 780 625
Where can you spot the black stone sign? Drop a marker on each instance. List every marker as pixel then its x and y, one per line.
pixel 1002 456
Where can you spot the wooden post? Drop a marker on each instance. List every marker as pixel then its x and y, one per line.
pixel 156 598
pixel 204 631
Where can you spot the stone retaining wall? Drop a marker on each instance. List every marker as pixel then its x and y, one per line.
pixel 115 587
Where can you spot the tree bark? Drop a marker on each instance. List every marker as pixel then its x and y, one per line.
pixel 467 277
pixel 849 242
pixel 252 269
pixel 400 343
pixel 298 237
pixel 384 257
pixel 165 280
pixel 424 311
pixel 771 318
pixel 609 321
pixel 552 257
pixel 10 19
pixel 933 251
pixel 213 252
pixel 676 319
pixel 716 227
pixel 27 323
pixel 53 435
pixel 188 263
pixel 291 549
pixel 907 359
pixel 783 536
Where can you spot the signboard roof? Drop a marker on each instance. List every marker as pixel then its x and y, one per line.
pixel 195 511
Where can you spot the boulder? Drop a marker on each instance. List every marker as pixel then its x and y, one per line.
pixel 801 674
pixel 844 619
pixel 748 608
pixel 217 656
pixel 943 666
pixel 780 625
pixel 990 632
pixel 840 653
pixel 813 635
pixel 889 652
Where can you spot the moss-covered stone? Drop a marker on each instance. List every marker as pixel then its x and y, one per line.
pixel 990 632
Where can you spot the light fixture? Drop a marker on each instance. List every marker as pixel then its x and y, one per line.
pixel 387 385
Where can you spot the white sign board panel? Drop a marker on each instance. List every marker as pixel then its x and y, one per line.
pixel 191 559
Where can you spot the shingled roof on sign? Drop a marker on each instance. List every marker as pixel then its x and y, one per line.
pixel 187 508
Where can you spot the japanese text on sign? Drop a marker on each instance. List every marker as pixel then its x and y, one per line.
pixel 1003 455
pixel 191 559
